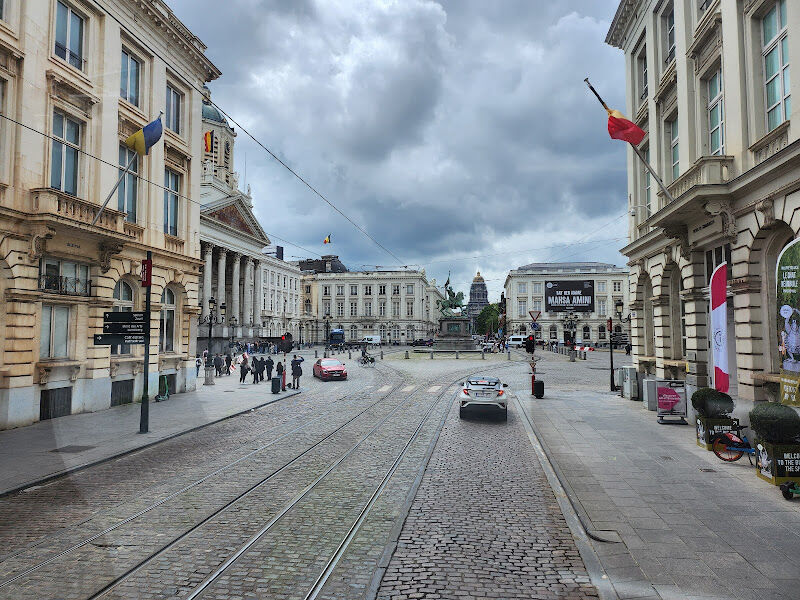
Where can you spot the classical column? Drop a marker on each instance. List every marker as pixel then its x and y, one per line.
pixel 236 283
pixel 258 293
pixel 208 252
pixel 221 263
pixel 696 303
pixel 247 313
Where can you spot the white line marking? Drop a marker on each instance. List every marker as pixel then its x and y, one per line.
pixel 385 388
pixel 408 388
pixel 434 388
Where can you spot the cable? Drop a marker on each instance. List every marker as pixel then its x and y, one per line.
pixel 270 152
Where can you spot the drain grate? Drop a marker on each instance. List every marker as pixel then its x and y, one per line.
pixel 71 449
pixel 707 470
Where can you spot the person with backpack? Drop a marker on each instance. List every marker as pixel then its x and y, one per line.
pixel 297 371
pixel 197 363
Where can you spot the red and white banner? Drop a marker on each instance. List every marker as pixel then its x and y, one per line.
pixel 719 326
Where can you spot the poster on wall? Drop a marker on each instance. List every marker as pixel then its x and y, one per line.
pixel 788 320
pixel 565 296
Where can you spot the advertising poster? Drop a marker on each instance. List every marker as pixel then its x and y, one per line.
pixel 719 327
pixel 565 296
pixel 788 320
pixel 671 398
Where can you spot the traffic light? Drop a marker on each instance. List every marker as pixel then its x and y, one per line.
pixel 529 344
pixel 283 338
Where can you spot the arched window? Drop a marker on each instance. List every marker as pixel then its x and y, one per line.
pixel 553 332
pixel 601 332
pixel 354 332
pixel 166 328
pixel 123 302
pixel 382 331
pixel 396 333
pixel 410 333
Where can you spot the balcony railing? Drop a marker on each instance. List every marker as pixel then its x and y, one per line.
pixel 71 286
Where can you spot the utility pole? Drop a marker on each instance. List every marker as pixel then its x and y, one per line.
pixel 147 282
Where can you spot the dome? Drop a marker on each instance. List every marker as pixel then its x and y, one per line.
pixel 211 113
pixel 477 278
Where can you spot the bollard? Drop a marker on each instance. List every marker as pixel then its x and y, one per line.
pixel 381 354
pixel 572 355
pixel 406 354
pixel 325 354
pixel 316 353
pixel 509 355
pixel 482 357
pixel 456 354
pixel 349 354
pixel 431 354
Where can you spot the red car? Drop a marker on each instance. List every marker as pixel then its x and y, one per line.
pixel 329 368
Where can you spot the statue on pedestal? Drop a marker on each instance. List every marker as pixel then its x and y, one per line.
pixel 451 302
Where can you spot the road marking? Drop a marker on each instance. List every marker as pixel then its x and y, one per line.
pixel 434 388
pixel 385 388
pixel 408 388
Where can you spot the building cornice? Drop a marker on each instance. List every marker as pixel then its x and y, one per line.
pixel 621 22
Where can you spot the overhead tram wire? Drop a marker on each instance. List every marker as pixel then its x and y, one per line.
pixel 252 137
pixel 140 177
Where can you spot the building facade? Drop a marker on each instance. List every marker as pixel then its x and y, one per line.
pixel 90 81
pixel 526 290
pixel 478 299
pixel 710 84
pixel 400 306
pixel 260 291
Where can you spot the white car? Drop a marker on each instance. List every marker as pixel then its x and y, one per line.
pixel 483 392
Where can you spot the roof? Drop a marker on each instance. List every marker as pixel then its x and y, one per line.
pixel 478 278
pixel 210 113
pixel 616 33
pixel 578 267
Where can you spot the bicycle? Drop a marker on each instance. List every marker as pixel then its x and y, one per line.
pixel 367 361
pixel 730 447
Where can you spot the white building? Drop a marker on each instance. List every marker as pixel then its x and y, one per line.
pixel 710 84
pixel 526 289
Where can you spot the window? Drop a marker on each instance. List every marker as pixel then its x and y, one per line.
pixel 166 325
pixel 716 117
pixel 173 112
pixel 601 332
pixel 410 308
pixel 128 190
pixel 537 288
pixel 368 309
pixel 776 65
pixel 673 144
pixel 55 325
pixel 522 287
pixel 537 304
pixel 395 289
pixel 354 290
pixel 308 289
pixel 601 307
pixel 354 309
pixel 395 308
pixel 410 289
pixel 641 74
pixel 340 290
pixel 553 332
pixel 326 290
pixel 340 309
pixel 617 286
pixel 669 25
pixel 382 332
pixel 601 287
pixel 715 257
pixel 129 78
pixel 382 308
pixel 123 302
pixel 64 159
pixel 69 35
pixel 522 308
pixel 381 290
pixel 586 334
pixel 326 308
pixel 368 290
pixel 172 183
pixel 64 277
pixel 353 332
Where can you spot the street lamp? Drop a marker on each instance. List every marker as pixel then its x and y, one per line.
pixel 211 319
pixel 570 322
pixel 618 306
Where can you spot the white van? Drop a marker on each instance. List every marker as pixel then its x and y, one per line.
pixel 517 341
pixel 372 340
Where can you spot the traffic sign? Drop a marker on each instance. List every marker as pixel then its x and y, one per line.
pixel 535 314
pixel 115 339
pixel 125 317
pixel 129 328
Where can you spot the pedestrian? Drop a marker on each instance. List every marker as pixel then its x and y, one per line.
pixel 279 371
pixel 269 365
pixel 297 371
pixel 228 361
pixel 244 370
pixel 628 348
pixel 256 367
pixel 197 363
pixel 218 364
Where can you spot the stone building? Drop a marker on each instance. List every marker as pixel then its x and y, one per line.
pixel 526 289
pixel 709 83
pixel 89 82
pixel 478 299
pixel 400 306
pixel 261 292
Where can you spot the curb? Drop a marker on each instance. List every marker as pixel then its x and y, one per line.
pixel 71 470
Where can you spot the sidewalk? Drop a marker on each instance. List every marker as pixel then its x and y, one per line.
pixel 54 447
pixel 692 525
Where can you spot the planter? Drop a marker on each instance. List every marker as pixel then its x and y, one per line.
pixel 707 427
pixel 777 463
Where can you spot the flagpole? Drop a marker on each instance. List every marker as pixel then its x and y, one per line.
pixel 635 149
pixel 114 189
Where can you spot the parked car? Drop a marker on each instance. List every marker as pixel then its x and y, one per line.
pixel 483 393
pixel 428 342
pixel 517 341
pixel 328 369
pixel 372 340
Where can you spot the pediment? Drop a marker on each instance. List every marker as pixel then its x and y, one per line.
pixel 236 214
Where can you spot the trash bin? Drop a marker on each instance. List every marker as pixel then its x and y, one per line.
pixel 276 385
pixel 538 388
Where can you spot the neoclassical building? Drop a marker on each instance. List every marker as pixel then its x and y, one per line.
pixel 526 290
pixel 478 298
pixel 260 291
pixel 710 84
pixel 89 82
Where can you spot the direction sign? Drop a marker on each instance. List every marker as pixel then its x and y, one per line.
pixel 125 317
pixel 130 328
pixel 105 339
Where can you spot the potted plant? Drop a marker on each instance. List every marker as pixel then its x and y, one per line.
pixel 713 410
pixel 777 441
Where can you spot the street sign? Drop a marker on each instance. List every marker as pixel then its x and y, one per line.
pixel 125 317
pixel 609 323
pixel 105 339
pixel 535 314
pixel 129 328
pixel 147 272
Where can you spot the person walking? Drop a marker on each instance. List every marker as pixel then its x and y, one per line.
pixel 297 371
pixel 256 364
pixel 279 372
pixel 197 363
pixel 228 361
pixel 218 365
pixel 244 369
pixel 268 365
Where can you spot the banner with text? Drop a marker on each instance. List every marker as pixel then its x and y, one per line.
pixel 788 304
pixel 565 296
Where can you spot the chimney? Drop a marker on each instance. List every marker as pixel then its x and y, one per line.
pixel 279 252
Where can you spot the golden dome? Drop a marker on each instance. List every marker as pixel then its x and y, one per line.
pixel 477 278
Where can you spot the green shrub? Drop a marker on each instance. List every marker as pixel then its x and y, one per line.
pixel 708 402
pixel 775 423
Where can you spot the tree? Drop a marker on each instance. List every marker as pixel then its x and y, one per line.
pixel 487 320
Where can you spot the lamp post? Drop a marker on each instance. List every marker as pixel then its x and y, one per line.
pixel 571 324
pixel 232 322
pixel 618 306
pixel 212 319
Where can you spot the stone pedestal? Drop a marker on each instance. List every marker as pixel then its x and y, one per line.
pixel 454 334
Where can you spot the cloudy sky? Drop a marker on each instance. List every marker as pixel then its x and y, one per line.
pixel 458 133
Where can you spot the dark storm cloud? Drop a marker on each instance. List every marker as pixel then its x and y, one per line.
pixel 446 129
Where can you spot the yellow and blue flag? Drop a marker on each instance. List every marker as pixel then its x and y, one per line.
pixel 145 138
pixel 327 240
